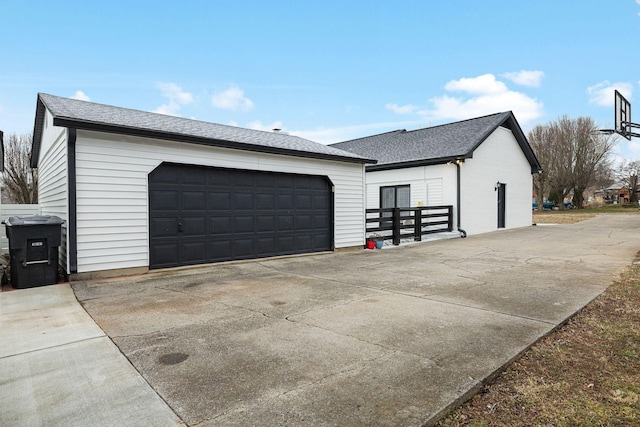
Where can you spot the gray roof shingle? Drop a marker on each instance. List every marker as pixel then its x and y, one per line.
pixel 437 144
pixel 106 118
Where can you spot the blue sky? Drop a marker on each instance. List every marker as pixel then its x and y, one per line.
pixel 325 70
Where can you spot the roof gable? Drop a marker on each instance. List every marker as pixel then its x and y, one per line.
pixel 72 113
pixel 437 144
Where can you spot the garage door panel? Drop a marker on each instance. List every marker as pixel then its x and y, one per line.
pixel 163 227
pixel 193 176
pixel 265 201
pixel 220 225
pixel 284 223
pixel 194 226
pixel 219 250
pixel 266 181
pixel 303 222
pixel 166 175
pixel 303 201
pixel 286 243
pixel 321 202
pixel 204 214
pixel 193 252
pixel 284 181
pixel 319 238
pixel 194 200
pixel 242 180
pixel 165 255
pixel 265 223
pixel 266 245
pixel 244 247
pixel 219 200
pixel 243 201
pixel 284 201
pixel 320 222
pixel 243 224
pixel 305 241
pixel 163 199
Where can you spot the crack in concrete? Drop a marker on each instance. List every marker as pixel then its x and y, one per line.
pixel 267 401
pixel 486 310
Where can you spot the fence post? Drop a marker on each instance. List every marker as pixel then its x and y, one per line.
pixel 450 214
pixel 417 225
pixel 396 226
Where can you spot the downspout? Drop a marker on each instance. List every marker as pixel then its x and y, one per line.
pixel 72 231
pixel 463 233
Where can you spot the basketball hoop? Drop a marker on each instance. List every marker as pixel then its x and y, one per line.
pixel 623 124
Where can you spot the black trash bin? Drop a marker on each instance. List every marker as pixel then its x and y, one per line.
pixel 33 249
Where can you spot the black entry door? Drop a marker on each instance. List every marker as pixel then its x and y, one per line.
pixel 201 215
pixel 502 205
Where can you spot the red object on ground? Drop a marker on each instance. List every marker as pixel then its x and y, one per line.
pixel 371 244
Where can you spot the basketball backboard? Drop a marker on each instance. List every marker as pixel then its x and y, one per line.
pixel 622 115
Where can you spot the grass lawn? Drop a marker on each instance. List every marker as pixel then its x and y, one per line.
pixel 576 215
pixel 586 373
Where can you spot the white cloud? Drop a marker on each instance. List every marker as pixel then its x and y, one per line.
pixel 401 109
pixel 257 125
pixel 525 78
pixel 232 99
pixel 177 99
pixel 602 93
pixel 485 84
pixel 80 95
pixel 484 95
pixel 626 150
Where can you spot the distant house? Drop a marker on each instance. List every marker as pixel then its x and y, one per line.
pixel 482 166
pixel 615 193
pixel 142 191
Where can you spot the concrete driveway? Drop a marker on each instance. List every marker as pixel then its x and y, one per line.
pixel 379 338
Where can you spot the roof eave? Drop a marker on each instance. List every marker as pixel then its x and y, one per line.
pixel 124 130
pixel 1 151
pixel 38 127
pixel 417 163
pixel 523 142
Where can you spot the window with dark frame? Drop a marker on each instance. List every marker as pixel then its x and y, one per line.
pixel 395 196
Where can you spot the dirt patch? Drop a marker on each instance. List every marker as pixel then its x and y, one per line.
pixel 572 216
pixel 586 373
pixel 561 218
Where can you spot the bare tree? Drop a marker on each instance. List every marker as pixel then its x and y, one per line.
pixel 627 174
pixel 592 151
pixel 554 152
pixel 572 153
pixel 538 138
pixel 19 180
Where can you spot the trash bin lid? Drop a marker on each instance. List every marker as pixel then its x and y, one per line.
pixel 28 220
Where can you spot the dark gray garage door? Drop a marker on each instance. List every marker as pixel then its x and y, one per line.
pixel 200 214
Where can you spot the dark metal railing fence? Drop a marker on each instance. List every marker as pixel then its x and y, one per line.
pixel 391 223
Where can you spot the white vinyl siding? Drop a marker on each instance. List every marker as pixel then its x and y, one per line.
pixel 430 185
pixel 435 191
pixel 112 192
pixel 8 210
pixel 52 179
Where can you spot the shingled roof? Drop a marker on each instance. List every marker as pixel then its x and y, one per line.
pixel 73 113
pixel 437 144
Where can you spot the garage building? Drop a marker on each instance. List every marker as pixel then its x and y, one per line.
pixel 140 190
